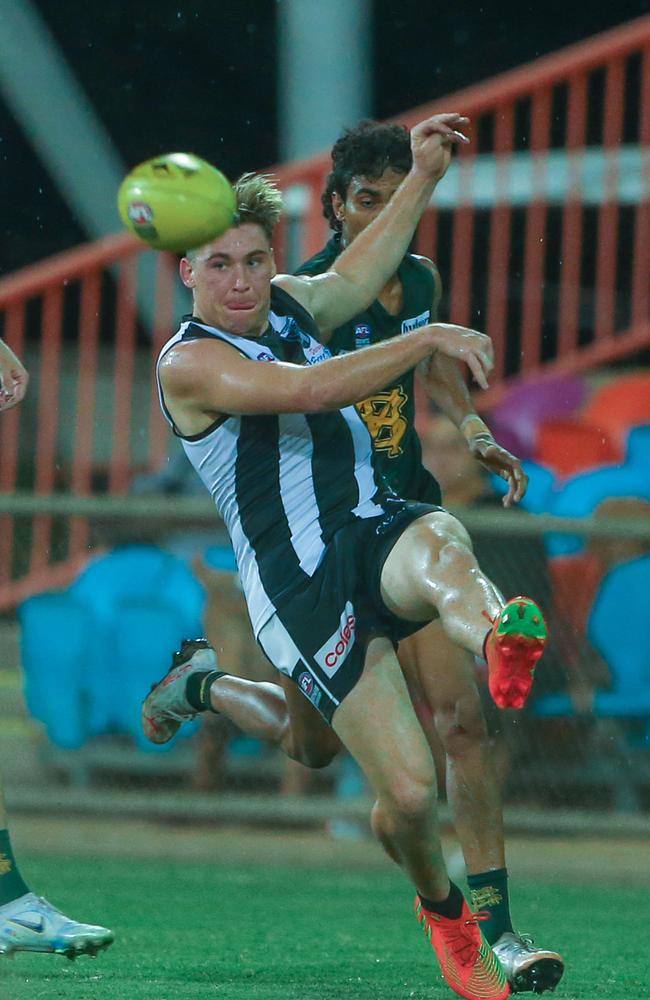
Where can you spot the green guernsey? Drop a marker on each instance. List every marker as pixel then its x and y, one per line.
pixel 389 414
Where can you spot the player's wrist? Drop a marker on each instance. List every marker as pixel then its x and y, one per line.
pixel 423 177
pixel 473 428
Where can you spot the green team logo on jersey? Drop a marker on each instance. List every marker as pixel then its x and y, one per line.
pixel 382 415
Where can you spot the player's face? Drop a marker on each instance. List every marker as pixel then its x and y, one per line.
pixel 364 201
pixel 230 279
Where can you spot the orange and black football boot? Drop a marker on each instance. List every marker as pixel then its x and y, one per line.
pixel 469 966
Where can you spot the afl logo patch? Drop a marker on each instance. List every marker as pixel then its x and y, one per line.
pixel 362 334
pixel 306 682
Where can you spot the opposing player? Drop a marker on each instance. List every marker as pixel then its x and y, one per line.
pixel 29 922
pixel 369 163
pixel 336 570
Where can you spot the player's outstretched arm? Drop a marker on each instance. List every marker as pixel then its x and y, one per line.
pixel 205 379
pixel 445 387
pixel 13 378
pixel 374 255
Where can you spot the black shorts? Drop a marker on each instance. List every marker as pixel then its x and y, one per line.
pixel 320 636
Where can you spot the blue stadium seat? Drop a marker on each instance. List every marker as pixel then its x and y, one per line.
pixel 618 629
pixel 221 557
pixel 637 454
pixel 56 636
pixel 579 497
pixel 108 638
pixel 539 494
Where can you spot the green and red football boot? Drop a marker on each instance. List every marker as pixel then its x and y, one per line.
pixel 512 649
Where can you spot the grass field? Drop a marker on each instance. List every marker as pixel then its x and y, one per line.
pixel 188 932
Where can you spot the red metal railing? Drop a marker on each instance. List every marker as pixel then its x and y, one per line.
pixel 91 416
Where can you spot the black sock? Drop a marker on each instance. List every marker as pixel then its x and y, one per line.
pixel 450 907
pixel 11 882
pixel 489 893
pixel 197 690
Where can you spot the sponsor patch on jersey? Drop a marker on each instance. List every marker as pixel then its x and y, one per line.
pixel 415 322
pixel 264 356
pixel 362 334
pixel 309 687
pixel 333 653
pixel 316 353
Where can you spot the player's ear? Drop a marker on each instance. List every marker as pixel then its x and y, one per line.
pixel 186 272
pixel 338 206
pixel 274 269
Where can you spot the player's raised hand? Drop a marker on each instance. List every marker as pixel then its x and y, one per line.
pixel 13 378
pixel 470 346
pixel 502 463
pixel 432 141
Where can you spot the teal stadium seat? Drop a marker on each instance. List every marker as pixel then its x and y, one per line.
pixel 580 495
pixel 618 629
pixel 539 495
pixel 91 653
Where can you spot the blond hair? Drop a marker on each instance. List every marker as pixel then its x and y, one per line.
pixel 258 200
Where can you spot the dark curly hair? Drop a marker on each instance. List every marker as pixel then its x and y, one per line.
pixel 365 150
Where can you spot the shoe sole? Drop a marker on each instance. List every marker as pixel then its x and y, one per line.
pixel 511 687
pixel 544 974
pixel 70 952
pixel 520 638
pixel 160 734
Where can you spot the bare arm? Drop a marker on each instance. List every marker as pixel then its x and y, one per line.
pixel 205 379
pixel 441 375
pixel 13 378
pixel 363 269
pixel 445 386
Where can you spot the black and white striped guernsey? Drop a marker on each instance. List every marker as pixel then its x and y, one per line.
pixel 285 483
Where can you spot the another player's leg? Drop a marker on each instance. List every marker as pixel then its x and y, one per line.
pixel 440 677
pixel 29 922
pixel 441 681
pixel 376 722
pixel 432 569
pixel 277 714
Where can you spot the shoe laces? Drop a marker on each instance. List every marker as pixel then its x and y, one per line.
pixel 461 938
pixel 519 941
pixel 526 939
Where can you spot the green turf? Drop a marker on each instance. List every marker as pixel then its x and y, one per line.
pixel 196 931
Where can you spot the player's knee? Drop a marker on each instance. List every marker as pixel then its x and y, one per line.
pixel 461 724
pixel 411 797
pixel 450 531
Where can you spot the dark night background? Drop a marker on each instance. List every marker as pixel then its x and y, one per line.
pixel 202 77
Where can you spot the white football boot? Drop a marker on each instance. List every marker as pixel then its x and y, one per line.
pixel 166 707
pixel 528 969
pixel 30 923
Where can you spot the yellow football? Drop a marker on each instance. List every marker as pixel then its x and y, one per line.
pixel 176 202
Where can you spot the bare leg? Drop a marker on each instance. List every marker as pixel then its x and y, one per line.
pixel 441 682
pixel 278 714
pixel 377 724
pixel 430 571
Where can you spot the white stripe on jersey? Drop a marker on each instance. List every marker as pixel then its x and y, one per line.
pixel 295 474
pixel 362 443
pixel 216 468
